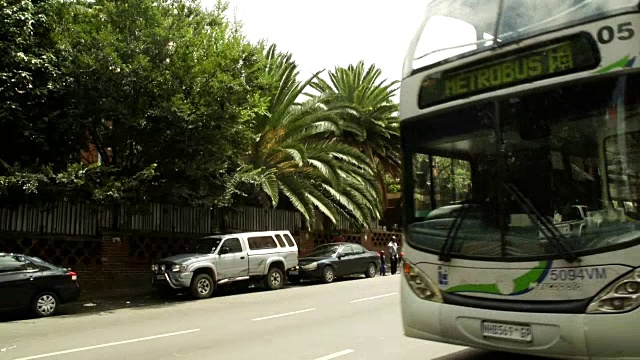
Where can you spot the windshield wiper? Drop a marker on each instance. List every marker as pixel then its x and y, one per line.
pixel 552 234
pixel 452 234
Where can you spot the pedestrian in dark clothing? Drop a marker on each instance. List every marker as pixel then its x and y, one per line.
pixel 383 264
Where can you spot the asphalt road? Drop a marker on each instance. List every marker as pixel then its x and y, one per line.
pixel 353 319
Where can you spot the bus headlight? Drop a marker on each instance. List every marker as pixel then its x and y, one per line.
pixel 621 296
pixel 420 283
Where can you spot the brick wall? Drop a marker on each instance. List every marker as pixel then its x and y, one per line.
pixel 373 240
pixel 117 263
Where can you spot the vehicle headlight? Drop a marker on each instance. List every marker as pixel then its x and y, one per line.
pixel 179 268
pixel 311 266
pixel 621 296
pixel 420 283
pixel 163 267
pixel 154 267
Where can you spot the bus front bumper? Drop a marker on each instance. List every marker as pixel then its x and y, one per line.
pixel 562 336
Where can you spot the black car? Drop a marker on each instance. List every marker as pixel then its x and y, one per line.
pixel 29 282
pixel 326 262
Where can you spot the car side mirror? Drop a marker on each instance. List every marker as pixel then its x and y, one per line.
pixel 224 250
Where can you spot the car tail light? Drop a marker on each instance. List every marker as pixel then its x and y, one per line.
pixel 74 276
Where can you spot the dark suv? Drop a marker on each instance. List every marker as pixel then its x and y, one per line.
pixel 29 282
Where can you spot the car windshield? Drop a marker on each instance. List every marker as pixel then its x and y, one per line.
pixel 206 245
pixel 559 172
pixel 461 27
pixel 325 250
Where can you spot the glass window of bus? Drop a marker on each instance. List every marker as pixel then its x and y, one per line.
pixel 455 27
pixel 547 173
pixel 622 156
pixel 524 18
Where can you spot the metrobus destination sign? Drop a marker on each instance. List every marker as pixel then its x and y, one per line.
pixel 569 55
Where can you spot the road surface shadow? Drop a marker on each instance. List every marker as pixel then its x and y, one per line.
pixel 476 354
pixel 153 300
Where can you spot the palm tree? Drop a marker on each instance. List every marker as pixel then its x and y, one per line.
pixel 294 156
pixel 373 125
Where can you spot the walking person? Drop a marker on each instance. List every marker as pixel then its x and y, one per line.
pixel 393 254
pixel 383 264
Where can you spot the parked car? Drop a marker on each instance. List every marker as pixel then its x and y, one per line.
pixel 30 282
pixel 223 259
pixel 326 262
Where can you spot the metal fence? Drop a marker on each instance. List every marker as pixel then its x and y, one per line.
pixel 64 218
pixel 259 219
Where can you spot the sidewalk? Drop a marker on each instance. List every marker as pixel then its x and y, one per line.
pixel 96 302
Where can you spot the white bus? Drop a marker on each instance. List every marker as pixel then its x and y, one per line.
pixel 521 160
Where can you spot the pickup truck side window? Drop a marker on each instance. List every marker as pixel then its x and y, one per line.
pixel 261 242
pixel 280 240
pixel 290 240
pixel 233 245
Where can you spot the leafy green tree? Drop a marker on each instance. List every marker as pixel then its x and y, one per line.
pixel 163 83
pixel 32 130
pixel 294 155
pixel 372 125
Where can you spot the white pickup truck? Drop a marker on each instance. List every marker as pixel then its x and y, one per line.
pixel 265 256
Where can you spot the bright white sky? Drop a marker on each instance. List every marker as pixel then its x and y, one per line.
pixel 328 33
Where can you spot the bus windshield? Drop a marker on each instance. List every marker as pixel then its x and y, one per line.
pixel 456 28
pixel 528 175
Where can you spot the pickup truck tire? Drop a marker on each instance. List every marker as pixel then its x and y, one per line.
pixel 371 270
pixel 202 286
pixel 274 279
pixel 328 275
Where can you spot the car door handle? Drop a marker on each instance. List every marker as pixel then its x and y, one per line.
pixel 241 257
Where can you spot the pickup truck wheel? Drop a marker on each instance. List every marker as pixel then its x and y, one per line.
pixel 275 279
pixel 328 275
pixel 202 286
pixel 371 270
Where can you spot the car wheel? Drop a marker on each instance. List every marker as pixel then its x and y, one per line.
pixel 275 279
pixel 202 286
pixel 328 275
pixel 45 304
pixel 371 270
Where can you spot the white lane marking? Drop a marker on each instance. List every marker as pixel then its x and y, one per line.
pixel 281 315
pixel 335 355
pixel 374 297
pixel 107 345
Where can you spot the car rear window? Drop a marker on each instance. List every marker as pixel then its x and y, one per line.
pixel 290 240
pixel 280 240
pixel 261 242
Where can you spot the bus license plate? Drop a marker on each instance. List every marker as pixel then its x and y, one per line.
pixel 507 331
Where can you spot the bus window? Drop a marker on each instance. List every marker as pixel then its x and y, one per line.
pixel 439 181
